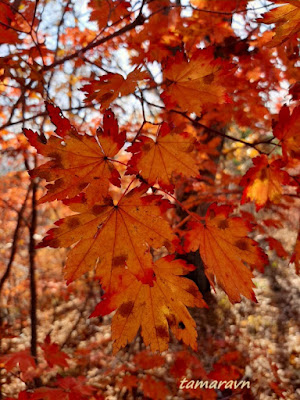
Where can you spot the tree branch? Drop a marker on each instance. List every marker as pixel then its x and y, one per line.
pixel 140 19
pixel 14 241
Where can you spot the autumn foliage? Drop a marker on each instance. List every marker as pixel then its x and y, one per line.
pixel 154 129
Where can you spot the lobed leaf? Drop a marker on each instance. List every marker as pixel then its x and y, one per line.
pixel 224 247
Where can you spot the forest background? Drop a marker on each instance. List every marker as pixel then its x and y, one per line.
pixel 163 136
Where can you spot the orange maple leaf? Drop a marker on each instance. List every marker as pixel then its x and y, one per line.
pixel 264 181
pixel 112 235
pixel 155 308
pixel 286 19
pixel 53 354
pixel 287 131
pixel 157 160
pixel 111 86
pixel 78 161
pixel 104 11
pixel 192 84
pixel 224 248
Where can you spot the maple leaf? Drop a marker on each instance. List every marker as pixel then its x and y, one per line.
pixel 76 387
pixel 157 160
pixel 224 248
pixel 287 131
pixel 63 125
pixel 78 161
pixel 7 18
pixel 155 308
pixel 129 381
pixel 195 83
pixel 184 360
pixel 112 235
pixel 224 368
pixel 146 360
pixel 22 359
pixel 264 181
pixel 22 396
pixel 277 246
pixel 104 11
pixel 46 393
pixel 153 389
pixel 53 354
pixel 286 19
pixel 111 86
pixel 69 388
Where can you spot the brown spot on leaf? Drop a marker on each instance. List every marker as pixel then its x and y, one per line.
pixel 208 79
pixel 241 244
pixel 73 223
pixel 162 332
pixel 126 308
pixel 97 209
pixel 119 261
pixel 58 159
pixel 223 224
pixel 263 174
pixel 146 147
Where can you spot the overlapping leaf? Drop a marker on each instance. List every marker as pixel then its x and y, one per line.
pixel 224 246
pixel 195 83
pixel 7 20
pixel 78 161
pixel 104 11
pixel 53 354
pixel 286 19
pixel 111 86
pixel 113 235
pixel 155 308
pixel 157 160
pixel 264 181
pixel 21 359
pixel 287 130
